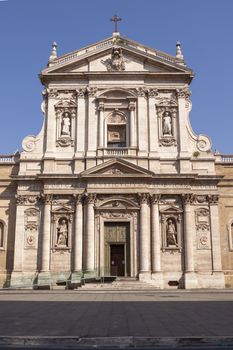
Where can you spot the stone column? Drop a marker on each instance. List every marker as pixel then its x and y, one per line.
pixel 142 123
pixel 183 96
pixel 92 128
pixel 190 276
pixel 19 234
pixel 78 235
pixel 153 122
pixel 156 242
pixel 46 234
pixel 101 124
pixel 215 242
pixel 132 124
pixel 183 144
pixel 144 247
pixel 80 125
pixel 50 123
pixel 90 233
pixel 80 130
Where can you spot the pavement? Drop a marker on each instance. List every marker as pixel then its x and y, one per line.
pixel 139 319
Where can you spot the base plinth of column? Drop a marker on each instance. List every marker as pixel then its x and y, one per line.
pixel 144 276
pixel 76 277
pixel 44 280
pixel 215 280
pixel 190 280
pixel 89 274
pixel 157 279
pixel 23 280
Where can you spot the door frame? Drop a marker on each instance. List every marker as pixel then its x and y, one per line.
pixel 117 216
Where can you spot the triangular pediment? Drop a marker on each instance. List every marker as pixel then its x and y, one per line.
pixel 62 209
pixel 171 209
pixel 136 57
pixel 117 168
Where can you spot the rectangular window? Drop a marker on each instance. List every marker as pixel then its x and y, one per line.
pixel 116 136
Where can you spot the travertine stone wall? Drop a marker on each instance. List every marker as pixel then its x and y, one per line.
pixel 226 219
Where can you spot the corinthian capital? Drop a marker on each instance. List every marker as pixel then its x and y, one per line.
pixel 46 198
pixel 153 92
pixel 141 92
pixel 154 198
pixel 91 91
pixel 143 198
pixel 183 93
pixel 78 198
pixel 90 198
pixel 188 198
pixel 213 199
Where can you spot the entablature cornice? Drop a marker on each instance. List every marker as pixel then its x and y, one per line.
pixel 175 76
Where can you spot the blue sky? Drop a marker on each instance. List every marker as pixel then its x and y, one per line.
pixel 28 27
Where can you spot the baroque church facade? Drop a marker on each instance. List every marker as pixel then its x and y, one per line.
pixel 116 183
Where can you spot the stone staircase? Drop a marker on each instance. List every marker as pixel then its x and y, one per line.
pixel 119 284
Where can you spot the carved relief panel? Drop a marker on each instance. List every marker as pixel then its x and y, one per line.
pixel 203 228
pixel 66 111
pixel 31 226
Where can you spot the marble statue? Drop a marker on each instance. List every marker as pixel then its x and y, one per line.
pixel 65 130
pixel 62 233
pixel 167 124
pixel 171 233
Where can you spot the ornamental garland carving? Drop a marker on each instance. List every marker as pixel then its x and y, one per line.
pixel 202 219
pixel 31 224
pixel 112 215
pixel 62 94
pixel 26 200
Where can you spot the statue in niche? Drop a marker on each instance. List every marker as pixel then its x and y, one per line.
pixel 62 233
pixel 167 124
pixel 65 126
pixel 171 233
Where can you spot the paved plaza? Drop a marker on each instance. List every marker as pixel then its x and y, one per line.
pixel 117 314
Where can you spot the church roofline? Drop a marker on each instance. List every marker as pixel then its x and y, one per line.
pixel 106 44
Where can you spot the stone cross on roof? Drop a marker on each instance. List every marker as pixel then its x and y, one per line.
pixel 115 19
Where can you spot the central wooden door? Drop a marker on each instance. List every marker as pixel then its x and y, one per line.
pixel 117 248
pixel 117 256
